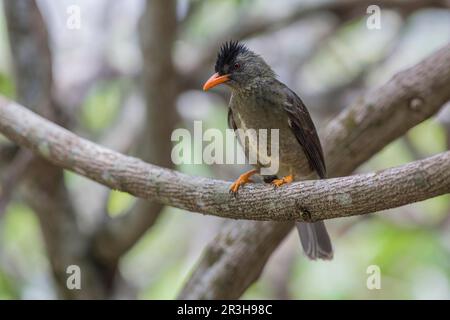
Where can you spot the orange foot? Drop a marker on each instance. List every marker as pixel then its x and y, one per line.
pixel 279 182
pixel 243 179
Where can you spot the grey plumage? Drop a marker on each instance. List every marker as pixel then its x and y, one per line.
pixel 260 101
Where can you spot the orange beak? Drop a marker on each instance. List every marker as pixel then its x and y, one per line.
pixel 215 80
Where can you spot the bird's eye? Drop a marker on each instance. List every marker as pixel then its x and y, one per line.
pixel 237 65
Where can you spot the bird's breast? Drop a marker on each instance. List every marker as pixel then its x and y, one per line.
pixel 253 113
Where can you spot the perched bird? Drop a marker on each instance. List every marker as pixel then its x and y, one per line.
pixel 260 101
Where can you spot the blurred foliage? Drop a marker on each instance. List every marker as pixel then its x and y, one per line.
pixel 21 246
pixel 215 117
pixel 429 137
pixel 7 87
pixel 118 202
pixel 101 106
pixel 162 276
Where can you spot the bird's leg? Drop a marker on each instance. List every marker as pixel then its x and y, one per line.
pixel 243 179
pixel 279 182
pixel 269 179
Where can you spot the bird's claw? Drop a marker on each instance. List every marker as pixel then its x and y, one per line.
pixel 285 180
pixel 243 179
pixel 234 189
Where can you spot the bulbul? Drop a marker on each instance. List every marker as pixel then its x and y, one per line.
pixel 260 101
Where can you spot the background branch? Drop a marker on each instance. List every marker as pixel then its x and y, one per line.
pixel 248 27
pixel 158 27
pixel 14 174
pixel 45 190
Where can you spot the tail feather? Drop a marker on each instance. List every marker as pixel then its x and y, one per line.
pixel 315 240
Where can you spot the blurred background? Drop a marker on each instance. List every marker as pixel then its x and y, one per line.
pixel 125 74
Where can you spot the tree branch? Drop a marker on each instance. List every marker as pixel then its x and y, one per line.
pixel 344 9
pixel 14 173
pixel 301 201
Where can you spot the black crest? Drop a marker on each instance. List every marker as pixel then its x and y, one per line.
pixel 228 53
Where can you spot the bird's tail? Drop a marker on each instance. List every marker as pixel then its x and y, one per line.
pixel 315 240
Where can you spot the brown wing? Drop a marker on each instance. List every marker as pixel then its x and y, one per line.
pixel 231 122
pixel 304 130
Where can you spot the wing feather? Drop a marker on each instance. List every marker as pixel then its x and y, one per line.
pixel 231 123
pixel 305 132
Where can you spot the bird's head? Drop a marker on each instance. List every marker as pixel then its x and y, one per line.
pixel 238 67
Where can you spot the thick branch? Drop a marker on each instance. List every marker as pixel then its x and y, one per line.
pixel 309 200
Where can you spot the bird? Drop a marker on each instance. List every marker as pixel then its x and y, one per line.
pixel 260 101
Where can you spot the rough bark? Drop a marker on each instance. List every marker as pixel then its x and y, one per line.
pixel 301 201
